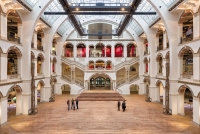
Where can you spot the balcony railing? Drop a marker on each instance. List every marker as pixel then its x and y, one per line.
pixel 14 76
pixel 13 39
pixel 159 47
pixel 40 48
pixel 66 77
pixel 54 52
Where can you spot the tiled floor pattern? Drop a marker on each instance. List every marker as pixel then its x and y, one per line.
pixel 100 117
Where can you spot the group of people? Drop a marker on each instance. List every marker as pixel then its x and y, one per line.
pixel 74 104
pixel 123 105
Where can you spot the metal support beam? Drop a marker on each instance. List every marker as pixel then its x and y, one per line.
pixel 100 13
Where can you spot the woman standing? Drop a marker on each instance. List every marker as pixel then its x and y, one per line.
pixel 123 105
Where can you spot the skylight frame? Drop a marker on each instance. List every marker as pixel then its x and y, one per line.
pixel 136 27
pixel 168 3
pixel 64 27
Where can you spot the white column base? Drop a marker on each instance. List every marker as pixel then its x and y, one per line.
pixel 196 110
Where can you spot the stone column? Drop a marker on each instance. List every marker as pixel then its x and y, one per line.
pixel 180 66
pixel 35 39
pixel 3 67
pixel 3 110
pixel 196 110
pixel 75 51
pixel 164 40
pixel 26 97
pixel 42 92
pixel 35 69
pixel 19 104
pixel 87 51
pixel 196 67
pixel 19 65
pixel 164 67
pixel 105 51
pixel 3 26
pixel 173 103
pixel 19 33
pixel 180 32
pixel 181 109
pixel 196 26
pixel 142 88
pixel 163 96
pixel 36 91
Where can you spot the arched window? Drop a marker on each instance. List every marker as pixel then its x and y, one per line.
pixel 108 51
pixel 91 51
pixel 91 65
pixel 100 64
pixel 188 62
pixel 92 81
pixel 100 81
pixel 12 67
pixel 69 50
pixel 186 21
pixel 160 37
pixel 131 50
pixel 81 50
pixel 100 50
pixel 13 27
pixel 119 50
pixel 40 36
pixel 108 65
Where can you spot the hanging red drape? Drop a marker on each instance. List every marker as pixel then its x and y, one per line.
pixel 83 52
pixel 118 51
pixel 108 52
pixel 132 51
pixel 67 52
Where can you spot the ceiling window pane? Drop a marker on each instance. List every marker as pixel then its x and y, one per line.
pixel 55 6
pixel 31 2
pixel 136 27
pixel 168 3
pixel 147 7
pixel 64 27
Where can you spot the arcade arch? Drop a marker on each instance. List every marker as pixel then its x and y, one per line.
pixel 134 89
pixel 40 93
pixel 66 89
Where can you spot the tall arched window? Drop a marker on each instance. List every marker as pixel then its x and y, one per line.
pixel 108 51
pixel 81 50
pixel 13 27
pixel 119 50
pixel 160 37
pixel 100 50
pixel 188 62
pixel 131 50
pixel 69 50
pixel 186 22
pixel 91 51
pixel 40 36
pixel 12 67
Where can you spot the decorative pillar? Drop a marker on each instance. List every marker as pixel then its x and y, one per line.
pixel 87 51
pixel 35 68
pixel 26 103
pixel 196 26
pixel 180 33
pixel 36 91
pixel 3 110
pixel 75 52
pixel 173 103
pixel 164 40
pixel 196 67
pixel 3 26
pixel 42 94
pixel 19 33
pixel 3 67
pixel 180 66
pixel 196 110
pixel 105 51
pixel 181 109
pixel 19 65
pixel 164 67
pixel 35 39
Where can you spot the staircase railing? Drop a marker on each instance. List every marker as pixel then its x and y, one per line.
pixel 128 62
pixel 81 90
pixel 79 82
pixel 134 78
pixel 71 62
pixel 119 90
pixel 66 77
pixel 131 79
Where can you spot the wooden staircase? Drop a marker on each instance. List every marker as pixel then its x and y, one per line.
pixel 100 95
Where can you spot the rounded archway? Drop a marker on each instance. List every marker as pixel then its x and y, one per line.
pixel 68 50
pixel 100 50
pixel 134 89
pixel 40 92
pixel 108 51
pixel 100 65
pixel 14 24
pixel 81 50
pixel 100 81
pixel 160 92
pixel 119 50
pixel 185 100
pixel 159 60
pixel 66 89
pixel 131 50
pixel 40 62
pixel 40 37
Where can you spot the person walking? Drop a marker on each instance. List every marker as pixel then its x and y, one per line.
pixel 77 103
pixel 123 105
pixel 72 103
pixel 118 105
pixel 68 104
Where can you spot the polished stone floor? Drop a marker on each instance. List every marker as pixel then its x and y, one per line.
pixel 100 118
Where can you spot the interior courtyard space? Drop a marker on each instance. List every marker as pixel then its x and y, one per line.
pixel 100 117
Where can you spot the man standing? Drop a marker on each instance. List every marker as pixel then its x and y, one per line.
pixel 68 104
pixel 72 101
pixel 77 103
pixel 118 105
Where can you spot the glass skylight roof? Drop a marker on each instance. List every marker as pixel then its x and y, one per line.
pixel 136 27
pixel 147 7
pixel 168 3
pixel 31 2
pixel 55 6
pixel 63 28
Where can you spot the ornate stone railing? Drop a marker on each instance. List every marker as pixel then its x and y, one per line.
pixel 127 62
pixel 70 62
pixel 79 82
pixel 14 76
pixel 134 78
pixel 130 80
pixel 66 77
